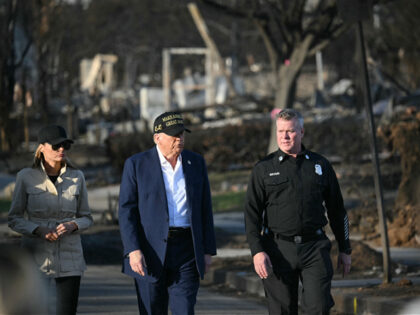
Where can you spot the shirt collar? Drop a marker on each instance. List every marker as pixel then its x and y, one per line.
pixel 163 160
pixel 62 170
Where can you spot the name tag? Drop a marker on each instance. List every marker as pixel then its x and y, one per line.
pixel 274 174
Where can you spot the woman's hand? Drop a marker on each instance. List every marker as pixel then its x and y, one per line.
pixel 46 233
pixel 66 228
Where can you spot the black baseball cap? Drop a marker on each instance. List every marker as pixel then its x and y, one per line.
pixel 53 134
pixel 170 123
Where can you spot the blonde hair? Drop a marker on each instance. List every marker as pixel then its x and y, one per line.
pixel 39 157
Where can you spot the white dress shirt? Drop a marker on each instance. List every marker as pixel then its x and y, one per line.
pixel 176 193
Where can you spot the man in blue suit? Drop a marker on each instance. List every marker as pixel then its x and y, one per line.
pixel 166 221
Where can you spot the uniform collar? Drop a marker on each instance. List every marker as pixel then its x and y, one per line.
pixel 304 153
pixel 284 156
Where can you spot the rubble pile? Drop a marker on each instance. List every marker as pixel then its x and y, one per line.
pixel 403 230
pixel 402 135
pixel 242 145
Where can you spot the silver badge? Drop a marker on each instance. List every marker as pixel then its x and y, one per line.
pixel 318 169
pixel 306 156
pixel 281 158
pixel 189 162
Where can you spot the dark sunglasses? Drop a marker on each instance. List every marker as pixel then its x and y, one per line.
pixel 65 145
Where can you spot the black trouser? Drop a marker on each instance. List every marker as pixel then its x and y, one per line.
pixel 67 289
pixel 178 285
pixel 311 263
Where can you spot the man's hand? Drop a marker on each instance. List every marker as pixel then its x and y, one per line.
pixel 207 261
pixel 345 260
pixel 46 233
pixel 137 262
pixel 262 265
pixel 66 228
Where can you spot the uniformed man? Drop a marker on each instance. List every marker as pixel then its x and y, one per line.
pixel 288 195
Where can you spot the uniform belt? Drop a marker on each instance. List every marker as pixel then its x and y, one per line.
pixel 179 232
pixel 298 239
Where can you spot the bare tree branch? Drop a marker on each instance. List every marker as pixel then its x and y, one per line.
pixel 226 9
pixel 272 53
pixel 322 19
pixel 325 42
pixel 276 12
pixel 298 12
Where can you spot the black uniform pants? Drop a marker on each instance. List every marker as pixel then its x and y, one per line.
pixel 309 262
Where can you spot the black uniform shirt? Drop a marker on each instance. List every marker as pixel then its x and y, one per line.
pixel 290 194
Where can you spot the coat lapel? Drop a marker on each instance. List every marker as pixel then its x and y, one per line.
pixel 156 170
pixel 188 168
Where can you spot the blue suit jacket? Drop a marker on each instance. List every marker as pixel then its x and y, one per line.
pixel 143 210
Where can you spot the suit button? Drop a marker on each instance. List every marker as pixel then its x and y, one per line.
pixel 165 240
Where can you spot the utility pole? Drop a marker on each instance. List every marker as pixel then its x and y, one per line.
pixel 377 175
pixel 357 11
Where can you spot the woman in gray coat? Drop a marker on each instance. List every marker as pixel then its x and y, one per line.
pixel 49 208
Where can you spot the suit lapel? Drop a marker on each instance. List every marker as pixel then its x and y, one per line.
pixel 156 170
pixel 188 167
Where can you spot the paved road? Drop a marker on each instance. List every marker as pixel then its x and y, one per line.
pixel 5 180
pixel 104 290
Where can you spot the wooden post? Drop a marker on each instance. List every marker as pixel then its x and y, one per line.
pixel 202 28
pixel 210 78
pixel 70 110
pixel 166 72
pixel 166 77
pixel 319 70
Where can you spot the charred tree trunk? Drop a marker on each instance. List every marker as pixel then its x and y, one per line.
pixel 7 72
pixel 287 76
pixel 42 84
pixel 6 102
